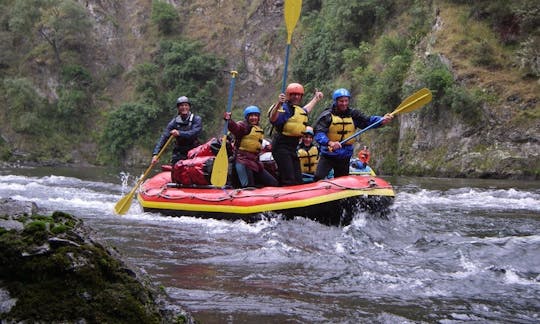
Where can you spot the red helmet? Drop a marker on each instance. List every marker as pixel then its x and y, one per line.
pixel 294 88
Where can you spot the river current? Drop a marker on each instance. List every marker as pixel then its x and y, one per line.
pixel 450 251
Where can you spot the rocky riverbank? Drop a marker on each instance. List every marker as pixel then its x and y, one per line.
pixel 53 270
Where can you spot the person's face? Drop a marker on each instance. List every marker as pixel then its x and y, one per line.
pixel 183 108
pixel 307 139
pixel 253 119
pixel 295 98
pixel 342 103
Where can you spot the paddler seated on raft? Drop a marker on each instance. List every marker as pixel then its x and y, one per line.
pixel 335 124
pixel 186 127
pixel 308 154
pixel 248 143
pixel 363 159
pixel 290 120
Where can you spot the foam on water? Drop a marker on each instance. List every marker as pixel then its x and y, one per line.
pixel 439 254
pixel 471 198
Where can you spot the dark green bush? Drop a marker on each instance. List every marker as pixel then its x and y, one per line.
pixel 125 127
pixel 465 104
pixel 437 78
pixel 72 105
pixel 165 17
pixel 75 76
pixel 25 109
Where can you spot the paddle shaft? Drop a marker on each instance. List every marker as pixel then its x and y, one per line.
pixel 413 102
pixel 229 100
pixel 220 168
pixel 285 68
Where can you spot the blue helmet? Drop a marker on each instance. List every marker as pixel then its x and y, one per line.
pixel 251 110
pixel 309 131
pixel 341 92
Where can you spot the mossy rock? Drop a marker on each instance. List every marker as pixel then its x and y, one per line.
pixel 54 272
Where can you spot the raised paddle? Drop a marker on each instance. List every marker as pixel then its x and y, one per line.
pixel 221 162
pixel 122 206
pixel 412 102
pixel 291 13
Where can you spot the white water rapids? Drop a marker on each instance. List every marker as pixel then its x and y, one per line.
pixel 451 251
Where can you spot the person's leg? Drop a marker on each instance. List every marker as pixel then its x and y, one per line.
pixel 265 178
pixel 251 178
pixel 297 169
pixel 241 170
pixel 285 168
pixel 341 167
pixel 323 168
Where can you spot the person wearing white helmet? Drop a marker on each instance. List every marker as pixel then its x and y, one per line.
pixel 335 124
pixel 248 143
pixel 290 120
pixel 308 154
pixel 185 126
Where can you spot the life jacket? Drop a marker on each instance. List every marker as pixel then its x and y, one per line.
pixel 252 142
pixel 182 124
pixel 309 158
pixel 185 125
pixel 196 171
pixel 340 129
pixel 296 124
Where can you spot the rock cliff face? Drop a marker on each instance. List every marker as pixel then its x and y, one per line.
pixel 450 147
pixel 251 35
pixel 440 143
pixel 500 139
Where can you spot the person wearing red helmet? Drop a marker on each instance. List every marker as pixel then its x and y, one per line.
pixel 248 142
pixel 289 118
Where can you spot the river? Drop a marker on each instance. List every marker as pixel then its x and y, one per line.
pixel 450 251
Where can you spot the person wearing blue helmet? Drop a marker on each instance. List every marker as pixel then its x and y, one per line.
pixel 248 143
pixel 335 124
pixel 185 126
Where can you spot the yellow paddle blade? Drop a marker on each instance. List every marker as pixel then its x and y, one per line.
pixel 414 101
pixel 221 165
pixel 291 13
pixel 123 205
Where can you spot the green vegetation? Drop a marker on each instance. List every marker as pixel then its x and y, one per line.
pixel 178 69
pixel 59 92
pixel 57 36
pixel 165 17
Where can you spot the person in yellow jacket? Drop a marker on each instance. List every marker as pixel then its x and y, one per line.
pixel 289 119
pixel 308 154
pixel 334 125
pixel 248 142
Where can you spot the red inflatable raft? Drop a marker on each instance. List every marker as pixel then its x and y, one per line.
pixel 331 202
